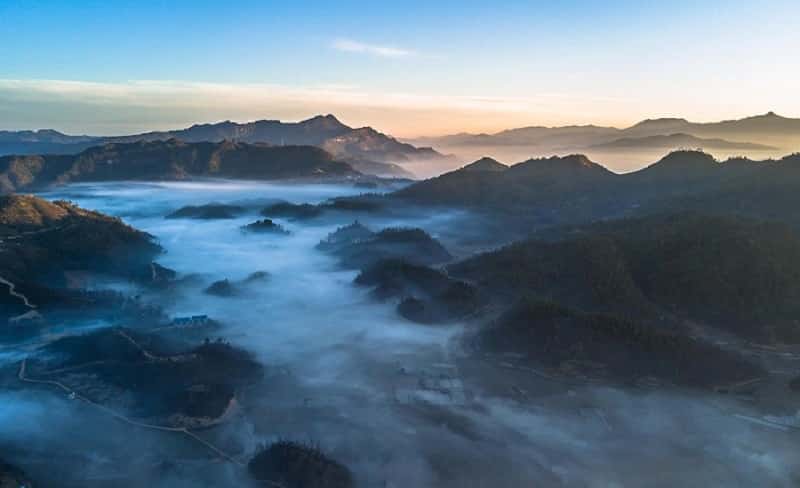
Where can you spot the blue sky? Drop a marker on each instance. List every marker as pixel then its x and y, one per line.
pixel 408 67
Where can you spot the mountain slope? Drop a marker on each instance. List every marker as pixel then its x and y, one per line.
pixel 604 346
pixel 363 146
pixel 485 164
pixel 314 131
pixel 573 190
pixel 170 160
pixel 41 241
pixel 766 190
pixel 732 273
pixel 547 185
pixel 567 136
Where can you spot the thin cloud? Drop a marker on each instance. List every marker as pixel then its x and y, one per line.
pixel 140 105
pixel 351 46
pixel 155 93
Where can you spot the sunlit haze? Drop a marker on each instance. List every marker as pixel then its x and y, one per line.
pixel 407 68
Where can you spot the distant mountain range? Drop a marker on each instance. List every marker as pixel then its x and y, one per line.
pixel 672 141
pixel 769 132
pixel 364 148
pixel 371 152
pixel 172 159
pixel 44 141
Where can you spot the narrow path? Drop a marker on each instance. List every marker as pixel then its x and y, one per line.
pixel 11 287
pixel 150 356
pixel 12 290
pixel 147 354
pixel 177 430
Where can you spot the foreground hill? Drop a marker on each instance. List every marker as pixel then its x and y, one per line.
pixel 357 246
pixel 760 190
pixel 365 148
pixel 41 242
pixel 608 347
pixel 170 160
pixel 168 382
pixel 486 184
pixel 427 295
pixel 543 191
pixel 736 274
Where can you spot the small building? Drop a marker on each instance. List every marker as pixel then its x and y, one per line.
pixel 192 320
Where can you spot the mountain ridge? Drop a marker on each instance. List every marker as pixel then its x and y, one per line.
pixel 364 146
pixel 680 139
pixel 170 160
pixel 570 190
pixel 768 129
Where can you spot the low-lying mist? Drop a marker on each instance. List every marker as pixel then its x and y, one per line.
pixel 617 160
pixel 400 404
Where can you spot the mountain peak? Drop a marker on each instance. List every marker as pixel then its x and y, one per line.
pixel 661 122
pixel 683 163
pixel 770 116
pixel 328 121
pixel 28 210
pixel 572 163
pixel 49 132
pixel 688 157
pixel 579 159
pixel 485 164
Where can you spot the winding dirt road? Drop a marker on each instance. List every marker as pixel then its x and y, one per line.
pixel 177 430
pixel 12 290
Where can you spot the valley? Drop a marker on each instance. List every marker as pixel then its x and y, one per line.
pixel 364 344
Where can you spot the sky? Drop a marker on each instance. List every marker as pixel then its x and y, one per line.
pixel 409 68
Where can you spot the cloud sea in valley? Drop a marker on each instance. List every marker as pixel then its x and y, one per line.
pixel 401 404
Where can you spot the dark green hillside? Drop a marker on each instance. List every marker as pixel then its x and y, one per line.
pixel 736 274
pixel 210 211
pixel 572 190
pixel 291 464
pixel 559 183
pixel 358 247
pixel 767 190
pixel 41 241
pixel 21 172
pixel 720 270
pixel 177 384
pixel 293 211
pixel 588 272
pixel 602 345
pixel 428 295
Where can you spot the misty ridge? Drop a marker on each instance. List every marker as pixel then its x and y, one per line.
pixel 372 152
pixel 296 305
pixel 624 149
pixel 363 148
